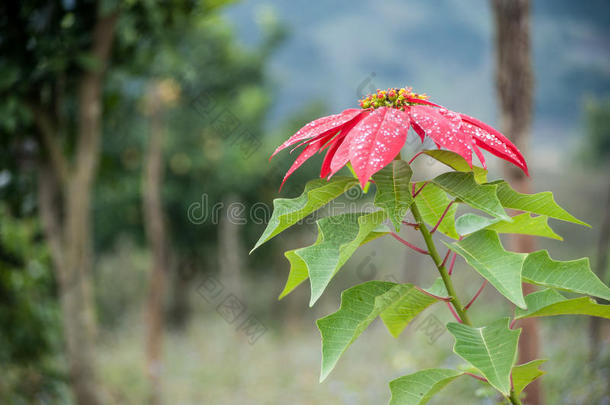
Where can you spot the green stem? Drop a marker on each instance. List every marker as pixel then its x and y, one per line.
pixel 440 265
pixel 514 398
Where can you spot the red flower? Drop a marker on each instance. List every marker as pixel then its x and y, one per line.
pixel 373 136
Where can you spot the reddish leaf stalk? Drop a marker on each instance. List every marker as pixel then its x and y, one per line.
pixel 476 295
pixel 404 242
pixel 446 257
pixel 442 216
pixel 455 314
pixel 420 189
pixel 478 377
pixel 452 263
pixel 415 157
pixel 438 297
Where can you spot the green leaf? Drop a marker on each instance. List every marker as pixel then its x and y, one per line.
pixel 298 272
pixel 338 238
pixel 432 202
pixel 438 288
pixel 550 303
pixel 524 224
pixel 418 388
pixel 491 349
pixel 457 162
pixel 484 252
pixel 365 190
pixel 298 267
pixel 470 223
pixel 394 191
pixel 574 275
pixel 404 302
pixel 539 203
pixel 288 211
pixel 524 374
pixel 397 304
pixel 479 196
pixel 341 329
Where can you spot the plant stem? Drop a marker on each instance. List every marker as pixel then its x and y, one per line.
pixel 514 398
pixel 440 265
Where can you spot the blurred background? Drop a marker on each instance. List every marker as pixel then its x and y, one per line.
pixel 134 180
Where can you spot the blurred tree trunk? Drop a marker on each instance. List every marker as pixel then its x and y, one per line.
pixel 515 92
pixel 154 223
pixel 64 196
pixel 230 249
pixel 179 306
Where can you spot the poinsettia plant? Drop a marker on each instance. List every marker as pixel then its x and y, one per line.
pixel 369 140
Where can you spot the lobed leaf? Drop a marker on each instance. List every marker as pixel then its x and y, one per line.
pixel 298 267
pixel 524 224
pixel 539 203
pixel 394 190
pixel 298 271
pixel 550 303
pixel 457 162
pixel 338 238
pixel 341 329
pixel 404 302
pixel 573 275
pixel 524 374
pixel 418 388
pixel 484 252
pixel 288 211
pixel 432 202
pixel 491 349
pixel 397 304
pixel 479 196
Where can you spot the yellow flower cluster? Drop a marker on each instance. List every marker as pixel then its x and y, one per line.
pixel 396 98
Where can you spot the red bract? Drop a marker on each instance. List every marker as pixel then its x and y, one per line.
pixel 371 137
